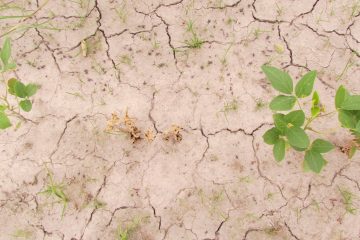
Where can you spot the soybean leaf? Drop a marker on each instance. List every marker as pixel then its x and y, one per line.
pixel 282 103
pixel 279 150
pixel 4 121
pixel 2 108
pixel 5 52
pixel 297 137
pixel 351 103
pixel 25 105
pixel 19 89
pixel 305 86
pixel 348 119
pixel 271 136
pixel 31 89
pixel 314 160
pixel 11 85
pixel 321 146
pixel 279 79
pixel 298 149
pixel 280 123
pixel 296 118
pixel 315 107
pixel 341 95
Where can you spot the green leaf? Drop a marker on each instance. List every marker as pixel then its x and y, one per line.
pixel 282 103
pixel 314 161
pixel 3 108
pixel 315 107
pixel 19 89
pixel 4 121
pixel 271 136
pixel 279 79
pixel 11 85
pixel 298 149
pixel 279 150
pixel 31 89
pixel 321 146
pixel 348 119
pixel 6 52
pixel 341 95
pixel 280 123
pixel 297 137
pixel 25 105
pixel 296 118
pixel 357 128
pixel 305 86
pixel 351 103
pixel 352 152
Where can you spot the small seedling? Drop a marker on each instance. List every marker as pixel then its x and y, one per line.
pixel 195 41
pixel 22 234
pixel 347 198
pixel 124 233
pixel 21 93
pixel 290 129
pixel 56 191
pixel 348 108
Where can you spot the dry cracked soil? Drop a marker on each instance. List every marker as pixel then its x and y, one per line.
pixel 183 80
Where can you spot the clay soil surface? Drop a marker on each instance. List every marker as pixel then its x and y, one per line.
pixel 182 157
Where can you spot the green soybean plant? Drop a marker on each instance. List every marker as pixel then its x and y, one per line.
pixel 348 108
pixel 291 126
pixel 20 92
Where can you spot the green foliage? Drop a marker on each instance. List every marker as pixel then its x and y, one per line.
pixel 15 88
pixel 290 129
pixel 348 108
pixel 124 233
pixel 195 41
pixel 56 191
pixel 347 198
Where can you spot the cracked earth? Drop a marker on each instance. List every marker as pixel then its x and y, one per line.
pixel 218 181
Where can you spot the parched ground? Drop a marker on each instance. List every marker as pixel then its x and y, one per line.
pixel 215 179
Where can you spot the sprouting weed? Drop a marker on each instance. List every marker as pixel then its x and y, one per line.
pixel 121 12
pixel 260 104
pixel 347 198
pixel 56 191
pixel 124 233
pixel 84 48
pixel 174 134
pixel 98 204
pixel 125 59
pixel 149 135
pixel 195 41
pixel 279 48
pixel 22 233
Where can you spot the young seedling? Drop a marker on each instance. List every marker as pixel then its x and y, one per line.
pixel 347 198
pixel 195 41
pixel 290 129
pixel 56 191
pixel 20 92
pixel 124 233
pixel 348 108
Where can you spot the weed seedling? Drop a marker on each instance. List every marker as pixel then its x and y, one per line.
pixel 347 198
pixel 20 92
pixel 290 129
pixel 195 41
pixel 56 191
pixel 124 233
pixel 348 108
